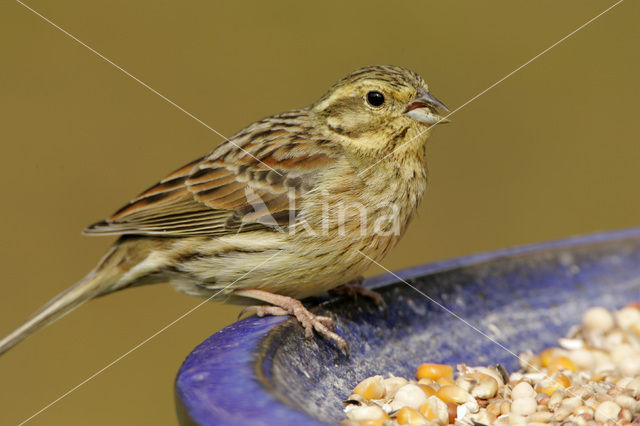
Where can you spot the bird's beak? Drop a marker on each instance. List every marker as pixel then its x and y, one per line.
pixel 424 108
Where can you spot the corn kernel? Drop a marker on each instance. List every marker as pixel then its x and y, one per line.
pixel 545 357
pixel 522 390
pixel 435 411
pixel 428 390
pixel 559 381
pixel 444 381
pixel 366 413
pixel 428 411
pixel 560 363
pixel 635 327
pixel 371 422
pixel 371 388
pixel 452 393
pixel 392 384
pixel 482 386
pixel 410 396
pixel 598 319
pixel 549 390
pixel 434 371
pixel 409 416
pixel 493 410
pixel 562 380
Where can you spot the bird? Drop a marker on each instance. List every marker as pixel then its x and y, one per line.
pixel 291 206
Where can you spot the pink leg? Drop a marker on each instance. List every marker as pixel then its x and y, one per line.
pixel 354 289
pixel 284 305
pixel 262 311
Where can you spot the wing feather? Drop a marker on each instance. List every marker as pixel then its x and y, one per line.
pixel 233 189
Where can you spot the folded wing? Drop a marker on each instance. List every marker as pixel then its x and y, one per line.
pixel 247 183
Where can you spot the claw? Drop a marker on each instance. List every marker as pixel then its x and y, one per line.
pixel 321 324
pixel 283 305
pixel 263 310
pixel 354 289
pixel 326 321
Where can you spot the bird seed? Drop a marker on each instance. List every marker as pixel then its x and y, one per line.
pixel 591 378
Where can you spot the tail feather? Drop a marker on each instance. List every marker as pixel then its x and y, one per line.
pixel 123 266
pixel 107 277
pixel 89 287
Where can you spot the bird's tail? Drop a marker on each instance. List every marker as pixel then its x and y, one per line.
pixel 105 278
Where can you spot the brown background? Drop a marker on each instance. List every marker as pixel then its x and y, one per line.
pixel 551 152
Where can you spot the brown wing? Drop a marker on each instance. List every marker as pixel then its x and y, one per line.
pixel 244 184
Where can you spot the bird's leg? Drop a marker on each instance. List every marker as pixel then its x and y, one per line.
pixel 262 311
pixel 284 305
pixel 354 289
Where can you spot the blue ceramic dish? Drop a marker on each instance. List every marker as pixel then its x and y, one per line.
pixel 261 371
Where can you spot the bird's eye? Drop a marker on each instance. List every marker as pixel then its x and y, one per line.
pixel 375 98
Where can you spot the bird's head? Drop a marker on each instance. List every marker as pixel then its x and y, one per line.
pixel 376 109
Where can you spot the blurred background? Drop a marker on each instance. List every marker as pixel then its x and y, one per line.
pixel 551 152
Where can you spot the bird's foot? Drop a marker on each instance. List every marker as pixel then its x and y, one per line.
pixel 354 289
pixel 264 310
pixel 284 305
